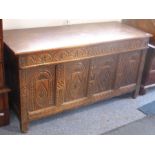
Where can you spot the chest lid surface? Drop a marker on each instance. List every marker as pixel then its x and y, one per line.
pixel 25 41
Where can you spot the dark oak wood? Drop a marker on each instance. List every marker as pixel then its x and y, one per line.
pixel 4 107
pixel 51 70
pixel 147 25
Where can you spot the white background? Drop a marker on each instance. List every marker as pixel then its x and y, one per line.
pixel 29 23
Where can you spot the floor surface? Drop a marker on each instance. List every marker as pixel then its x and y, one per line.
pixel 145 126
pixel 95 119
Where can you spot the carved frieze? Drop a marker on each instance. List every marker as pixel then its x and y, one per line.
pixel 70 54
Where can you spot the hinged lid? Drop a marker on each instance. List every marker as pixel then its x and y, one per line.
pixel 25 41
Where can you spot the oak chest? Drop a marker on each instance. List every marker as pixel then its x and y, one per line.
pixel 4 108
pixel 54 69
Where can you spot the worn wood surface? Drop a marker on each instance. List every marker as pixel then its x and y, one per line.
pixel 48 81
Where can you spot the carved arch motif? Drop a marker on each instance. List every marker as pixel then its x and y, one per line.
pixel 41 87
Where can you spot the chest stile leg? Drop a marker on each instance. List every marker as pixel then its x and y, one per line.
pixel 23 102
pixel 140 72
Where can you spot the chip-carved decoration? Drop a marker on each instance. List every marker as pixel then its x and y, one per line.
pixel 42 88
pixel 60 84
pixel 64 55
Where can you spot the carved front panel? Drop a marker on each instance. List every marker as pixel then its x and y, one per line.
pixel 76 74
pixel 102 74
pixel 39 87
pixel 127 70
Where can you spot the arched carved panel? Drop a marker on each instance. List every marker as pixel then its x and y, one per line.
pixel 40 87
pixel 76 74
pixel 102 74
